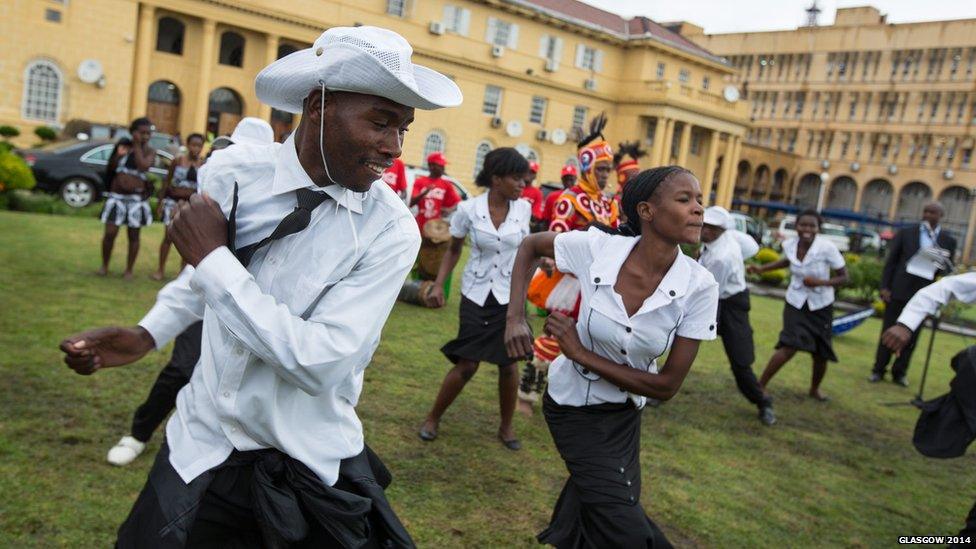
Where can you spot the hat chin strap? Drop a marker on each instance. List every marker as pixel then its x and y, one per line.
pixel 345 191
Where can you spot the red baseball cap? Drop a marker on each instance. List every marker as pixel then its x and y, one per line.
pixel 437 158
pixel 568 169
pixel 534 167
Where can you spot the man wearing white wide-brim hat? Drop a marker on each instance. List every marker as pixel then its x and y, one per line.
pixel 723 253
pixel 296 260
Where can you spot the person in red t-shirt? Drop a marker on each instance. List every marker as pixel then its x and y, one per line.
pixel 435 195
pixel 533 195
pixel 568 178
pixel 396 177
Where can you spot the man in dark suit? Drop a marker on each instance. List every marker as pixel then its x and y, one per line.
pixel 898 286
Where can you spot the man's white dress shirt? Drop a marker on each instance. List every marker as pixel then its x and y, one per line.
pixel 684 304
pixel 928 300
pixel 285 340
pixel 822 256
pixel 489 266
pixel 723 258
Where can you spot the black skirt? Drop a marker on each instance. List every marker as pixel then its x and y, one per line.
pixel 481 334
pixel 600 503
pixel 809 331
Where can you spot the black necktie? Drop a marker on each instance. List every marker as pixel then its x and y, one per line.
pixel 292 223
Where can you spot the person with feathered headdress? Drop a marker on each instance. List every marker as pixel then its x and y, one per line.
pixel 578 207
pixel 626 160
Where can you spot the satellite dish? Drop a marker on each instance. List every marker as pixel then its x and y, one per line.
pixel 89 71
pixel 557 136
pixel 731 93
pixel 513 128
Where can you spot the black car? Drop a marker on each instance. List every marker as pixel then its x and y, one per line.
pixel 76 169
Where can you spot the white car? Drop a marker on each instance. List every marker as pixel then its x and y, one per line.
pixel 831 231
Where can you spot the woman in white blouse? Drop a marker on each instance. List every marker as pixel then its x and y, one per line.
pixel 496 221
pixel 640 297
pixel 809 310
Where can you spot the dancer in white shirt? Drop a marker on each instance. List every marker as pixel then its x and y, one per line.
pixel 293 297
pixel 496 221
pixel 722 254
pixel 816 268
pixel 641 297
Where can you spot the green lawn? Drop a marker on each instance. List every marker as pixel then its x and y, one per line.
pixel 837 474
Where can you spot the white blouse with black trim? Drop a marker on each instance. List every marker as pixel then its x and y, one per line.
pixel 489 267
pixel 684 304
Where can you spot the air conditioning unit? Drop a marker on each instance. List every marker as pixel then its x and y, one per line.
pixel 436 27
pixel 590 84
pixel 497 51
pixel 542 135
pixel 948 174
pixel 552 65
pixel 496 122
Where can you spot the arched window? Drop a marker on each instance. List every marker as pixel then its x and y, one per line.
pixel 169 35
pixel 286 49
pixel 572 161
pixel 42 92
pixel 876 198
pixel 231 49
pixel 433 143
pixel 911 200
pixel 162 91
pixel 480 152
pixel 842 194
pixel 223 111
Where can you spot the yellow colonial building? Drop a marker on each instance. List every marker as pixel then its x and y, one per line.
pixel 532 73
pixel 861 115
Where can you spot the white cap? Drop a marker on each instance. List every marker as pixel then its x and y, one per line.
pixel 717 216
pixel 367 60
pixel 253 131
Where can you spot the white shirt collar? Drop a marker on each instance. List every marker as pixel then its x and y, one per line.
pixel 608 261
pixel 289 175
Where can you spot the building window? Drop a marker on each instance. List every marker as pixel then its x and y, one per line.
pixel 695 143
pixel 684 76
pixel 169 35
pixel 936 97
pixel 551 49
pixel 493 101
pixel 588 58
pixel 396 7
pixel 231 49
pixel 538 111
pixel 967 156
pixel 457 20
pixel 579 117
pixel 705 82
pixel 480 152
pixel 502 33
pixel 433 143
pixel 42 92
pixel 53 16
pixel 660 71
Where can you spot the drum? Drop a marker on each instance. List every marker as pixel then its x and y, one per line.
pixel 415 292
pixel 437 231
pixel 429 258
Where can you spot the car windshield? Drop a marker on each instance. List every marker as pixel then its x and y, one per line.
pixel 833 230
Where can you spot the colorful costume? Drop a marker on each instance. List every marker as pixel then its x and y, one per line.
pixel 626 162
pixel 576 208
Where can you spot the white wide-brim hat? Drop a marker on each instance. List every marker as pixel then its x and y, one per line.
pixel 253 131
pixel 717 216
pixel 367 60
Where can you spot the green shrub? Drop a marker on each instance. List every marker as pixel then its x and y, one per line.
pixel 766 255
pixel 8 131
pixel 42 203
pixel 6 146
pixel 14 173
pixel 46 133
pixel 776 277
pixel 865 277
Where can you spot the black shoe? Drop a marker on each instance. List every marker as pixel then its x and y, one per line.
pixel 875 377
pixel 512 444
pixel 767 416
pixel 903 381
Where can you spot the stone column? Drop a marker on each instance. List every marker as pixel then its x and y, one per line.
pixel 144 46
pixel 685 144
pixel 710 162
pixel 668 137
pixel 660 124
pixel 733 151
pixel 207 60
pixel 970 230
pixel 271 54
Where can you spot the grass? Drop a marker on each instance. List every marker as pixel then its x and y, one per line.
pixel 837 474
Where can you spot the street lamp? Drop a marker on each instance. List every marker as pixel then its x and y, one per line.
pixel 824 178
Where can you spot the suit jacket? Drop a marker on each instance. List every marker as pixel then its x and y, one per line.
pixel 903 246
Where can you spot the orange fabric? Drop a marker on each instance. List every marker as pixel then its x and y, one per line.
pixel 541 285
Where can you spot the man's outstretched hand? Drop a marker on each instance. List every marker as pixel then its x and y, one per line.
pixel 87 352
pixel 198 228
pixel 896 338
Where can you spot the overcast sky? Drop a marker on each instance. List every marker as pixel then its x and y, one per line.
pixel 718 16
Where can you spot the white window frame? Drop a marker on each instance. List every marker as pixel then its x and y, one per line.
pixel 457 20
pixel 497 101
pixel 551 48
pixel 431 147
pixel 684 76
pixel 537 111
pixel 494 30
pixel 481 150
pixel 25 101
pixel 398 8
pixel 589 58
pixel 579 117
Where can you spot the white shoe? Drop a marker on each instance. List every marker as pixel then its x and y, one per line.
pixel 125 451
